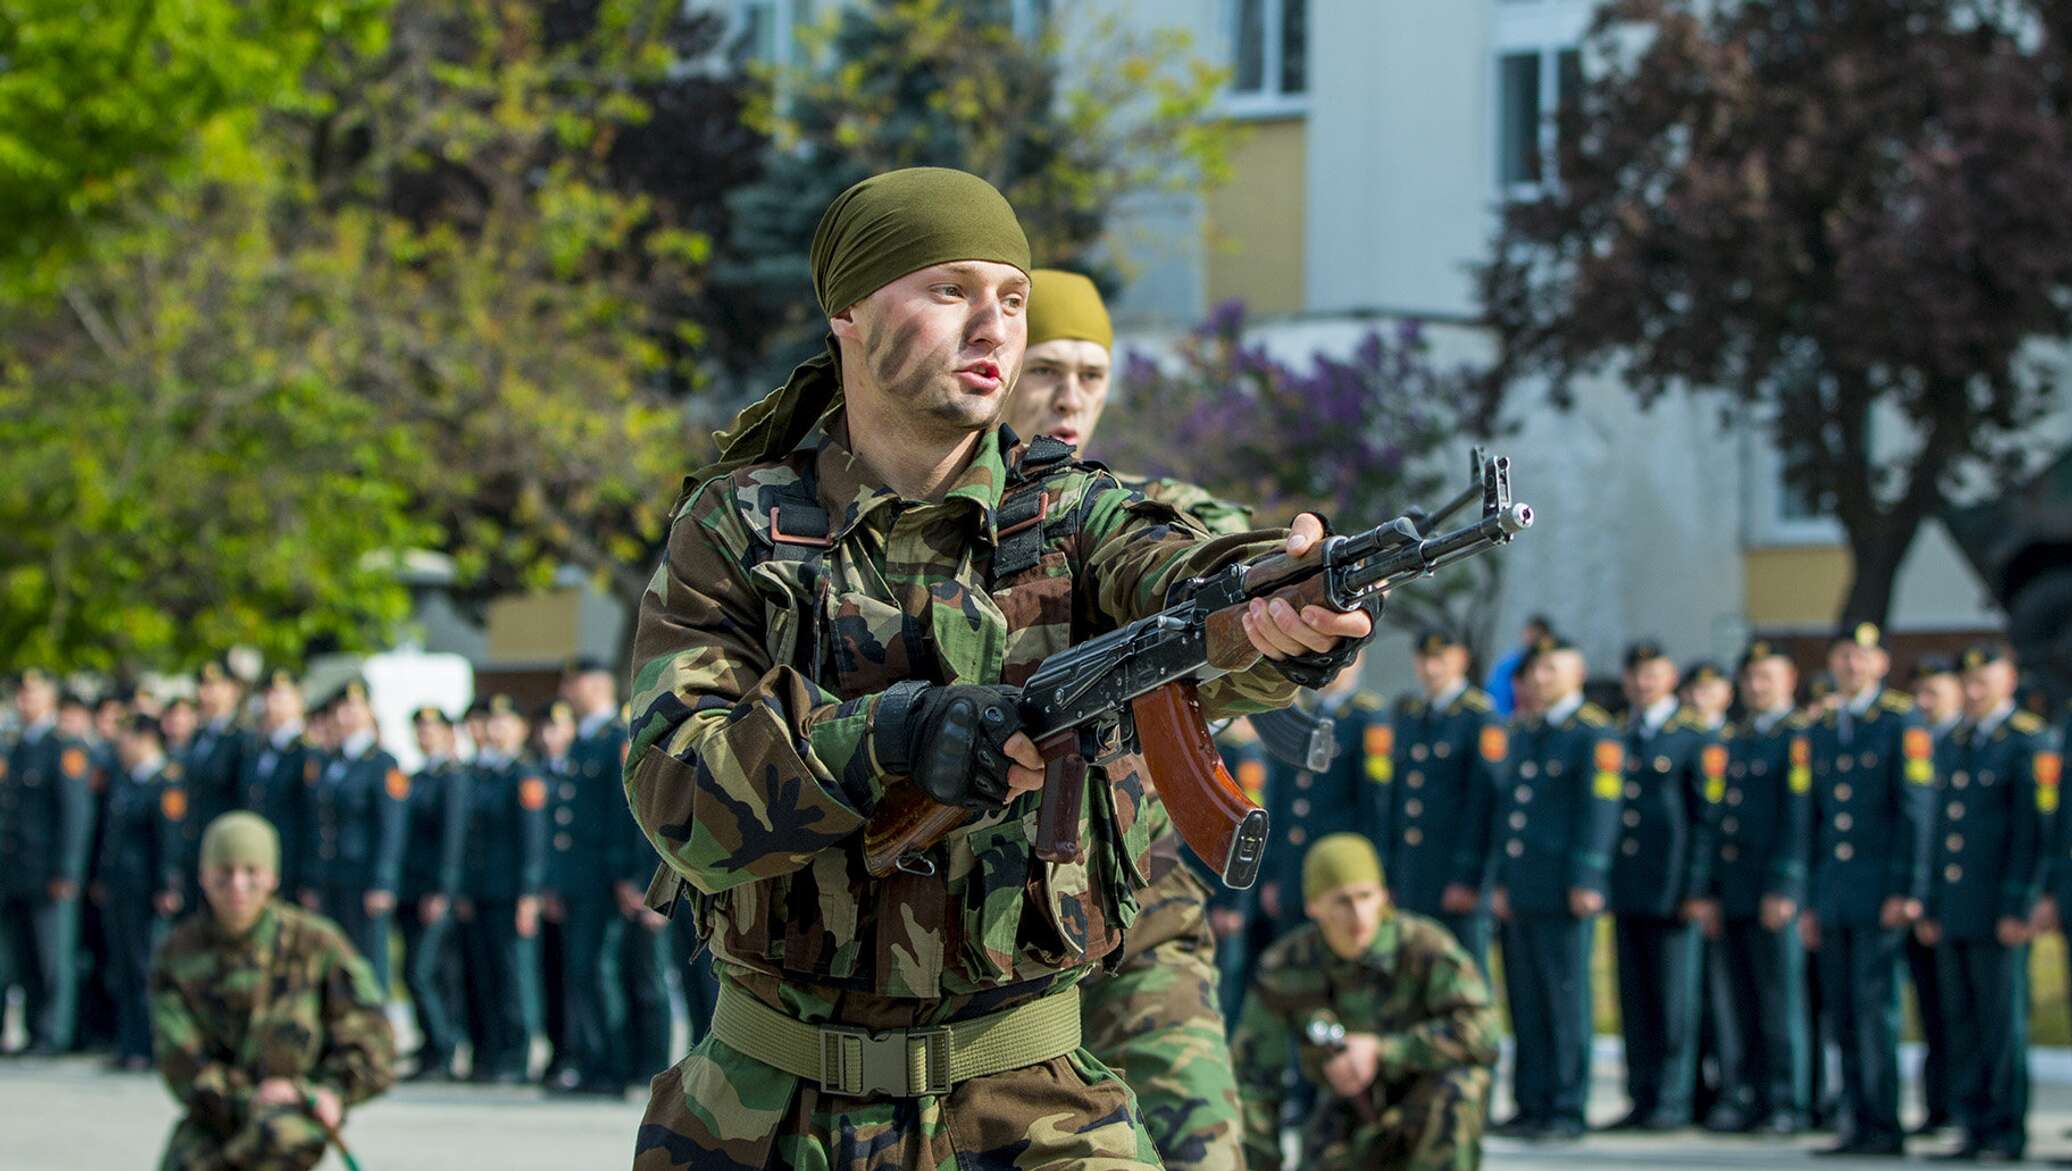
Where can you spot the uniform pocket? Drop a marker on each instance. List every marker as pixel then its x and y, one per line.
pixel 868 643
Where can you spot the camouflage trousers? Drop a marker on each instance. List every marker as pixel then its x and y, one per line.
pixel 719 1111
pixel 1157 1021
pixel 1433 1123
pixel 281 1138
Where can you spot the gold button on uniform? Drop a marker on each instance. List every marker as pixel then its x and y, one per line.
pixel 1414 779
pixel 1730 825
pixel 1442 750
pixel 1844 852
pixel 1632 792
pixel 1759 768
pixel 1843 792
pixel 1528 769
pixel 1419 752
pixel 563 841
pixel 1413 807
pixel 1661 764
pixel 1844 765
pixel 1300 805
pixel 1297 836
pixel 1959 779
pixel 1522 794
pixel 1515 848
pixel 1953 843
pixel 1631 817
pixel 1952 872
pixel 1733 796
pixel 1629 847
pixel 1413 836
pixel 1730 852
pixel 1955 811
pixel 1517 820
pixel 1844 822
pixel 1553 768
pixel 1870 760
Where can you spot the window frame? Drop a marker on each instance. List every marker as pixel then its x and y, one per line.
pixel 1547 29
pixel 1269 101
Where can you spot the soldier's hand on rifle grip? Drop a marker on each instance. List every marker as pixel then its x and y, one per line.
pixel 960 742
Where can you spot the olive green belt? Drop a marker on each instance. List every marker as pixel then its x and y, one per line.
pixel 899 1063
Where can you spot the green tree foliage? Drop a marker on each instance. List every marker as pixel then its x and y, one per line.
pixel 1847 216
pixel 1067 129
pixel 98 100
pixel 432 298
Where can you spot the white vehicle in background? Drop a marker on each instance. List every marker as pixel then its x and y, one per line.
pixel 399 683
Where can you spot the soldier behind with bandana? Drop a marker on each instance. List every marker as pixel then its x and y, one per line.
pixel 856 590
pixel 267 1024
pixel 1385 1012
pixel 1155 1019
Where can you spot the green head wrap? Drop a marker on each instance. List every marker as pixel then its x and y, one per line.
pixel 873 234
pixel 241 839
pixel 1338 860
pixel 1066 305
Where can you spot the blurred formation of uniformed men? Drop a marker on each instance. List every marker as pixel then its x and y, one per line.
pixel 1991 845
pixel 433 859
pixel 1432 806
pixel 1940 698
pixel 1675 779
pixel 1873 808
pixel 1758 977
pixel 505 869
pixel 1303 805
pixel 46 834
pixel 1556 827
pixel 136 879
pixel 353 839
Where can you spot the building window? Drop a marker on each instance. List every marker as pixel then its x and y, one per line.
pixel 1531 85
pixel 1269 56
pixel 768 30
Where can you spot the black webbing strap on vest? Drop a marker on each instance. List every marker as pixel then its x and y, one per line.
pixel 794 521
pixel 1024 519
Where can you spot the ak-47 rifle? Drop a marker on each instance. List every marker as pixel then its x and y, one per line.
pixel 1134 689
pixel 1299 737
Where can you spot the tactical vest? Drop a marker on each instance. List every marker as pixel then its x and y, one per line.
pixel 822 923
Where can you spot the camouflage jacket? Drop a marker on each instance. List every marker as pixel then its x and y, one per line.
pixel 289 999
pixel 1415 988
pixel 757 677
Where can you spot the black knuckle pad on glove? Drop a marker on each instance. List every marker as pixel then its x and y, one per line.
pixel 959 734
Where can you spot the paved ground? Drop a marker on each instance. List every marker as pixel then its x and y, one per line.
pixel 69 1116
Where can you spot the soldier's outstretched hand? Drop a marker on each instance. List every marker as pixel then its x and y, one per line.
pixel 1277 631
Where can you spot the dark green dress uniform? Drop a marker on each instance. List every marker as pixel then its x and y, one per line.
pixel 1759 976
pixel 585 810
pixel 1991 846
pixel 139 860
pixel 643 950
pixel 1924 971
pixel 213 764
pixel 506 859
pixel 1432 813
pixel 354 841
pixel 1676 772
pixel 273 783
pixel 46 830
pixel 1302 806
pixel 437 820
pixel 1873 810
pixel 1558 816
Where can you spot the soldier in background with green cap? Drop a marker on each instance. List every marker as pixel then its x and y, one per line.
pixel 267 1024
pixel 1155 1019
pixel 854 590
pixel 1384 1012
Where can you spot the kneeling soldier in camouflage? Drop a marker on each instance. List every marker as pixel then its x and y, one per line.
pixel 267 1024
pixel 1386 1011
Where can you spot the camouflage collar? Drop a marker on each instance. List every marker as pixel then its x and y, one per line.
pixel 851 492
pixel 1380 955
